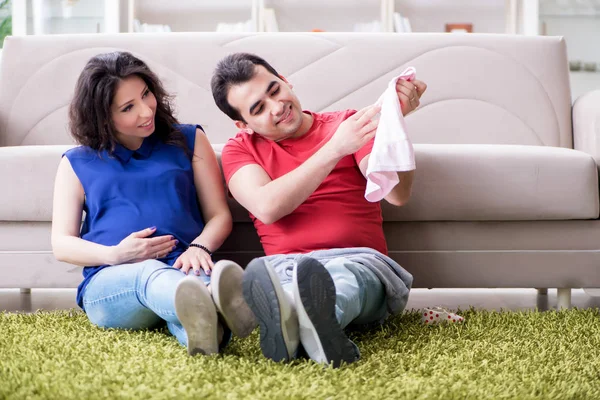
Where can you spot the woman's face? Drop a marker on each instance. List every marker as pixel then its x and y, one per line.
pixel 133 110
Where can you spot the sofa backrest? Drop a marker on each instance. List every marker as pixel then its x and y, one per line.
pixel 491 89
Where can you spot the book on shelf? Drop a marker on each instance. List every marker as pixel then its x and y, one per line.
pixel 401 24
pixel 246 26
pixel 373 26
pixel 270 20
pixel 138 26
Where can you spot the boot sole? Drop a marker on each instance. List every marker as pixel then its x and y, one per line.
pixel 196 312
pixel 320 333
pixel 227 293
pixel 265 298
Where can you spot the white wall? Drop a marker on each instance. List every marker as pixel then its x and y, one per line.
pixel 583 82
pixel 425 15
pixel 330 15
pixel 331 19
pixel 487 16
pixel 582 35
pixel 192 21
pixel 86 16
pixel 192 15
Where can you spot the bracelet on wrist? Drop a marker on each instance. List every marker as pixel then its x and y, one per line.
pixel 200 247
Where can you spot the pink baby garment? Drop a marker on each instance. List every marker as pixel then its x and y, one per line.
pixel 392 150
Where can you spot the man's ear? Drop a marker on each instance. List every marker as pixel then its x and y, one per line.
pixel 242 126
pixel 286 81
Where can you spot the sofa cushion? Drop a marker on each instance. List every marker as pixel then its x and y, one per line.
pixel 27 181
pixel 487 89
pixel 494 183
pixel 500 183
pixel 452 183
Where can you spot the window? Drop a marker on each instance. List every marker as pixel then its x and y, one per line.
pixel 5 20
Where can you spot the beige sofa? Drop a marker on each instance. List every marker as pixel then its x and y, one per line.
pixel 506 191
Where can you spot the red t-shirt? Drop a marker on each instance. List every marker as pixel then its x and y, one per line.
pixel 336 215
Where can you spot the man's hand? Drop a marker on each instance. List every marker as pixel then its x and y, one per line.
pixel 409 94
pixel 355 132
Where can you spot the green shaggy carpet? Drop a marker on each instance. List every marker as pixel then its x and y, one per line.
pixel 495 355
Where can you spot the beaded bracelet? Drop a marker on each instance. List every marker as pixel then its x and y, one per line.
pixel 200 247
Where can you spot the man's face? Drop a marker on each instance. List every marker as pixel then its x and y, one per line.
pixel 268 105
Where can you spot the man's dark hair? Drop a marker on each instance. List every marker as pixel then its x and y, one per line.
pixel 233 70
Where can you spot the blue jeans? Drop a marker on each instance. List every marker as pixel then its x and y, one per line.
pixel 360 295
pixel 136 296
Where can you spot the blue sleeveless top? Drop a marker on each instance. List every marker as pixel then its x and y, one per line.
pixel 134 190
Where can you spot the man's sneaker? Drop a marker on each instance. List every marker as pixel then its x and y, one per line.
pixel 226 285
pixel 196 311
pixel 278 323
pixel 320 333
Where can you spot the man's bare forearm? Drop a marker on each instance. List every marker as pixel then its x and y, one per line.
pixel 400 194
pixel 283 195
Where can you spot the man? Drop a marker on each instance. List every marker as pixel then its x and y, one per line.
pixel 301 175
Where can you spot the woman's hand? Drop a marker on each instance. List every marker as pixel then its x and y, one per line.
pixel 194 258
pixel 138 247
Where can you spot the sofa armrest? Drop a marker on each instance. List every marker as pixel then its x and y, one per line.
pixel 27 181
pixel 586 124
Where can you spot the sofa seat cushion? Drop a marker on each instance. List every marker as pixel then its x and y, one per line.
pixel 27 181
pixel 452 183
pixel 493 183
pixel 500 183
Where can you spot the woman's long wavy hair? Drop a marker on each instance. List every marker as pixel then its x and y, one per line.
pixel 90 116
